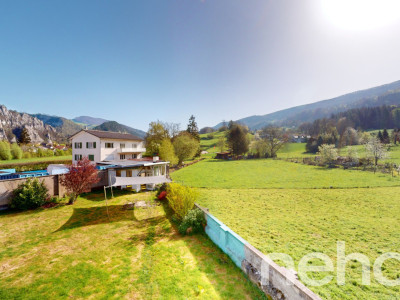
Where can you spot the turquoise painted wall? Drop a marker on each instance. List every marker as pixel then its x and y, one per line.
pixel 229 242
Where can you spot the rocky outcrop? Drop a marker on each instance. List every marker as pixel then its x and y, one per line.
pixel 12 123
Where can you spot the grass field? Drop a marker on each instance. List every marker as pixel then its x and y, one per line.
pixel 297 222
pixel 268 173
pixel 77 252
pixel 285 207
pixel 35 159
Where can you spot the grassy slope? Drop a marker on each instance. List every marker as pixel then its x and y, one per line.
pixel 35 159
pixel 76 252
pixel 267 173
pixel 297 222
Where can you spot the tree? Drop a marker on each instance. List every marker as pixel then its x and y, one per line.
pixel 396 135
pixel 260 147
pixel 80 178
pixel 380 136
pixel 275 139
pixel 167 152
pixel 154 136
pixel 328 154
pixel 29 194
pixel 5 152
pixel 173 129
pixel 385 137
pixel 192 128
pixel 375 150
pixel 237 140
pixel 352 154
pixel 206 130
pixel 185 146
pixel 24 137
pixel 221 143
pixel 16 151
pixel 210 136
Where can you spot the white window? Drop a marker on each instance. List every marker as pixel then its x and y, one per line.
pixel 78 146
pixel 78 157
pixel 91 145
pixel 134 145
pixel 122 146
pixel 109 145
pixel 122 156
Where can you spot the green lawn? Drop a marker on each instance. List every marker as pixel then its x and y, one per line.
pixel 36 159
pixel 268 173
pixel 75 252
pixel 297 222
pixel 280 206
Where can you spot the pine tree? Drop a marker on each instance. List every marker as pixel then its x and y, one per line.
pixel 193 129
pixel 24 138
pixel 385 137
pixel 380 136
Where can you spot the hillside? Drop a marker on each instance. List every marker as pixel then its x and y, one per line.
pixel 388 94
pixel 12 123
pixel 63 126
pixel 116 127
pixel 89 120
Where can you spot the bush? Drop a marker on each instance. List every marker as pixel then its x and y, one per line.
pixel 30 194
pixel 16 151
pixel 5 151
pixel 181 199
pixel 193 222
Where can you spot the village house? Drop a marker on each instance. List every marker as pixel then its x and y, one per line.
pixel 121 155
pixel 99 146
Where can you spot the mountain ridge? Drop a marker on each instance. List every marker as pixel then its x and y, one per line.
pixel 384 94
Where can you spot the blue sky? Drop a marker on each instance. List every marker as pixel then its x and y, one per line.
pixel 139 61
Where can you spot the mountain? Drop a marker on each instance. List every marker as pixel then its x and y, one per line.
pixel 388 94
pixel 12 123
pixel 89 120
pixel 116 127
pixel 64 127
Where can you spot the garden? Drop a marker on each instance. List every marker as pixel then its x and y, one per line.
pixel 89 249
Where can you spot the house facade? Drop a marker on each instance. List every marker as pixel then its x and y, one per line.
pixel 100 146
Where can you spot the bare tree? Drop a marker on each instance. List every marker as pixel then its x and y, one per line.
pixel 275 138
pixel 173 129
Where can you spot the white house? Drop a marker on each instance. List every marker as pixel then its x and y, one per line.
pixel 103 146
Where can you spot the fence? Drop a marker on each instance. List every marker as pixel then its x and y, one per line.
pixel 52 183
pixel 275 281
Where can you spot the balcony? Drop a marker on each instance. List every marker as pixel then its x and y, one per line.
pixel 131 150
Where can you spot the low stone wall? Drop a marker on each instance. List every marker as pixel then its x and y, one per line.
pixel 275 281
pixel 52 183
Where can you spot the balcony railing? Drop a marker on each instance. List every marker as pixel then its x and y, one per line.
pixel 131 150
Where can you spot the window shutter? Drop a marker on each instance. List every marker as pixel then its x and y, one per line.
pixel 94 145
pixel 87 145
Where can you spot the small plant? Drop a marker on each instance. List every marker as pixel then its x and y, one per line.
pixel 193 222
pixel 181 199
pixel 30 194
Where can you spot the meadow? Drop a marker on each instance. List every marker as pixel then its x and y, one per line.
pixel 76 251
pixel 35 159
pixel 297 209
pixel 269 173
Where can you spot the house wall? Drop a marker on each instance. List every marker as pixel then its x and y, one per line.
pixel 113 153
pixel 84 137
pixel 275 281
pixel 102 153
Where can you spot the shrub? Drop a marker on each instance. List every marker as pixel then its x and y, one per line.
pixel 181 199
pixel 30 194
pixel 5 152
pixel 193 222
pixel 16 151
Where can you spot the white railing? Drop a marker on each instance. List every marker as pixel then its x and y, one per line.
pixel 130 150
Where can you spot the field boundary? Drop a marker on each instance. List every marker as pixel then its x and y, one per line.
pixel 275 281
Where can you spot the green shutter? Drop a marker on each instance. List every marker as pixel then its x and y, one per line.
pixel 94 145
pixel 87 145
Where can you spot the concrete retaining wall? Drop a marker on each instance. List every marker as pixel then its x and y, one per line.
pixel 275 281
pixel 52 183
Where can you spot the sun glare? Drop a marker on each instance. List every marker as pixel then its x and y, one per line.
pixel 361 14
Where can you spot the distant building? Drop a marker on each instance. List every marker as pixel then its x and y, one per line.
pixel 300 138
pixel 102 146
